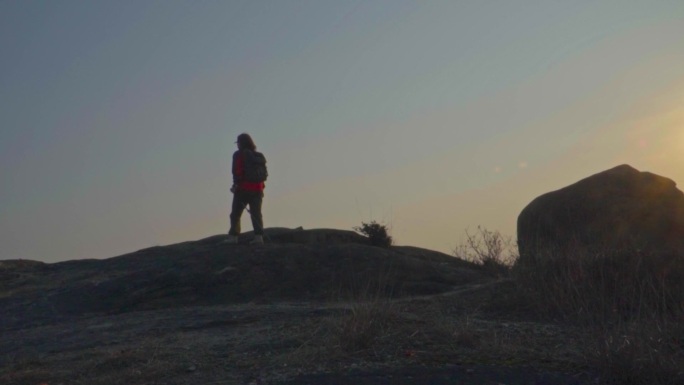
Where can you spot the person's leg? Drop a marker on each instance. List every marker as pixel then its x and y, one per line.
pixel 236 212
pixel 255 202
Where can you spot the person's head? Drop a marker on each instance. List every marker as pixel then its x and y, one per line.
pixel 244 141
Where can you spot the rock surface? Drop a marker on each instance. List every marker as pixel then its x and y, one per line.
pixel 308 307
pixel 617 209
pixel 295 264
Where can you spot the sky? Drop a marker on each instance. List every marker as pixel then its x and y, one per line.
pixel 118 118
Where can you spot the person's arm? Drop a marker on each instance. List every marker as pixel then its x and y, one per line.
pixel 238 167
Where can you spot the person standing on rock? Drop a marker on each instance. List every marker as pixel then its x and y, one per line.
pixel 249 175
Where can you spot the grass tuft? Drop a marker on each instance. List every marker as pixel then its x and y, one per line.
pixel 632 300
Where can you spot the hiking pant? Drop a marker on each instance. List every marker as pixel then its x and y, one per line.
pixel 240 200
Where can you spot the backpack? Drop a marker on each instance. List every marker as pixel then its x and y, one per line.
pixel 255 167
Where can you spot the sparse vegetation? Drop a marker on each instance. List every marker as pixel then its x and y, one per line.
pixel 377 233
pixel 490 250
pixel 613 315
pixel 603 287
pixel 370 314
pixel 632 301
pixel 364 324
pixel 641 352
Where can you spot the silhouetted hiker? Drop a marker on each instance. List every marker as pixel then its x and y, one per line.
pixel 249 175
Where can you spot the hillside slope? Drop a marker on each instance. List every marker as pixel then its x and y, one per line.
pixel 296 265
pixel 309 307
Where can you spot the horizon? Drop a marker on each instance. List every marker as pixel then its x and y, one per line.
pixel 118 119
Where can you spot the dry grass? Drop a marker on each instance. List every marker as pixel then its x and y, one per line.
pixel 142 363
pixel 458 332
pixel 601 287
pixel 429 331
pixel 365 324
pixel 633 302
pixel 369 317
pixel 639 354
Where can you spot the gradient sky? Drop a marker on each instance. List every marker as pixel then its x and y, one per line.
pixel 117 118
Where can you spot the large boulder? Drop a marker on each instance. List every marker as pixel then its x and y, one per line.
pixel 620 209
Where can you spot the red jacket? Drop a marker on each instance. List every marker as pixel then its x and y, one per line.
pixel 239 172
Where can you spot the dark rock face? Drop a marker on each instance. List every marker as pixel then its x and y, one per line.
pixel 312 236
pixel 293 265
pixel 617 209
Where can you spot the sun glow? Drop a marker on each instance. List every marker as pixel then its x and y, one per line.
pixel 657 139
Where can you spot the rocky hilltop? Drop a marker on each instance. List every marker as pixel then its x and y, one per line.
pixel 296 265
pixel 306 305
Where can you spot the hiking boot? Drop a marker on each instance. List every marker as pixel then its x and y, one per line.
pixel 258 240
pixel 231 240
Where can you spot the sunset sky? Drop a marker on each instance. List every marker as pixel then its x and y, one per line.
pixel 118 118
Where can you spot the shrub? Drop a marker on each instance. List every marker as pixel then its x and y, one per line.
pixel 488 249
pixel 378 234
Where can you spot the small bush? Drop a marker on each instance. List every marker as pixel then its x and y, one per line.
pixel 377 233
pixel 488 249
